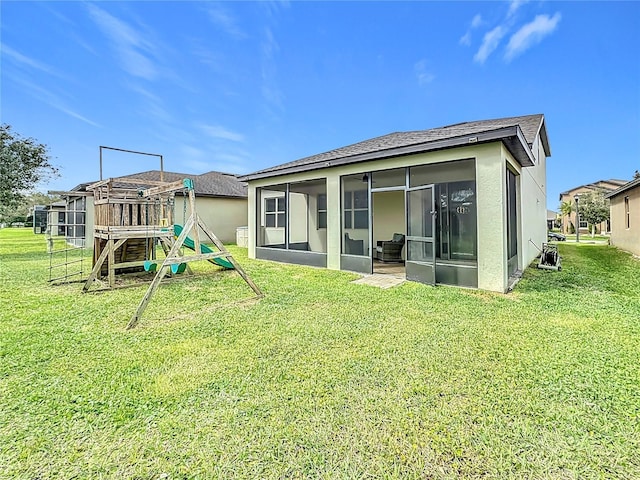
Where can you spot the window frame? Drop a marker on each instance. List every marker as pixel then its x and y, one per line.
pixel 350 209
pixel 321 216
pixel 279 216
pixel 627 213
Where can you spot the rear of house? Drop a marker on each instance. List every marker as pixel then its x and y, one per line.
pixel 467 201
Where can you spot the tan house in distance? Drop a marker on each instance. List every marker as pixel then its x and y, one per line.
pixel 569 197
pixel 625 216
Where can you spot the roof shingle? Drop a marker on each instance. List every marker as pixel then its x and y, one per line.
pixel 214 184
pixel 530 125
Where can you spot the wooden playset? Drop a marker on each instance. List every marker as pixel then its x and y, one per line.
pixel 132 216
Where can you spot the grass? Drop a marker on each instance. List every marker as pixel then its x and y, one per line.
pixel 321 378
pixel 586 238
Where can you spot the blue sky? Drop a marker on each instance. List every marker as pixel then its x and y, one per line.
pixel 240 86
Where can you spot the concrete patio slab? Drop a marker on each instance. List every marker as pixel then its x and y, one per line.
pixel 380 280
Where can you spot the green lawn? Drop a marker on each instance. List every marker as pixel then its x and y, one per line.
pixel 586 238
pixel 321 378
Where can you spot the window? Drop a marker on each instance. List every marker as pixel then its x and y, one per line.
pixel 274 212
pixel 583 224
pixel 627 217
pixel 75 219
pixel 356 209
pixel 389 178
pixel 293 216
pixel 512 216
pixel 322 210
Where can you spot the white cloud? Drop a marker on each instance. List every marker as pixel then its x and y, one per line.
pixel 201 161
pixel 476 21
pixel 230 168
pixel 269 69
pixel 422 72
pixel 490 42
pixel 54 101
pixel 231 158
pixel 223 20
pixel 197 166
pixel 75 115
pixel 466 39
pixel 128 43
pixel 514 5
pixel 19 58
pixel 219 132
pixel 531 34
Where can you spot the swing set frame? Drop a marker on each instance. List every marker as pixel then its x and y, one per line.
pixel 127 231
pixel 192 226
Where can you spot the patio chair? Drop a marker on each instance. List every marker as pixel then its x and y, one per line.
pixel 390 250
pixel 353 247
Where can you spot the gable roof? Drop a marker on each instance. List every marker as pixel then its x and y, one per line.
pixel 517 133
pixel 608 185
pixel 210 184
pixel 624 188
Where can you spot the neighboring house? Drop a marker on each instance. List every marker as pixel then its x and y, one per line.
pixel 38 214
pixel 56 218
pixel 221 201
pixel 454 195
pixel 625 216
pixel 76 221
pixel 552 218
pixel 569 197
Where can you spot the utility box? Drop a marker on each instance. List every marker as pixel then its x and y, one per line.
pixel 242 237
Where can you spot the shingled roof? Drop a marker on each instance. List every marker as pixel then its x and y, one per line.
pixel 210 184
pixel 517 133
pixel 624 188
pixel 605 185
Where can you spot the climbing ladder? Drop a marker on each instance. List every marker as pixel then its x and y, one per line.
pixel 65 264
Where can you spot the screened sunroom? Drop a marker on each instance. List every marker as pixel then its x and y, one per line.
pixel 460 205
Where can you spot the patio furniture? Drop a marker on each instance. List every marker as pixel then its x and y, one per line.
pixel 390 250
pixel 353 247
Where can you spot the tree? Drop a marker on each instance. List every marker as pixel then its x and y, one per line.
pixel 20 212
pixel 566 208
pixel 23 164
pixel 593 208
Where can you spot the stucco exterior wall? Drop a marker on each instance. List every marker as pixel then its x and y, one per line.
pixel 491 191
pixel 52 219
pixel 388 216
pixel 492 243
pixel 90 216
pixel 222 215
pixel 622 237
pixel 317 237
pixel 533 208
pixel 568 220
pixel 298 208
pixel 491 162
